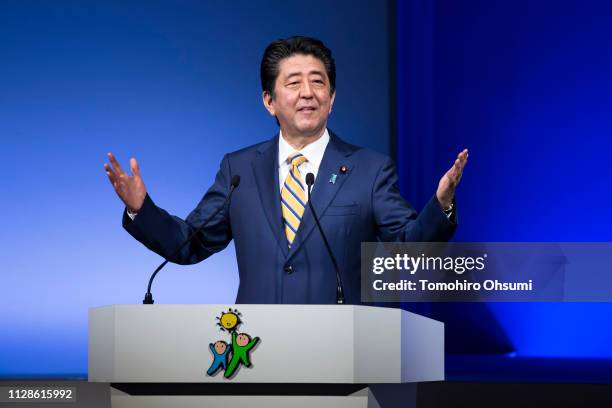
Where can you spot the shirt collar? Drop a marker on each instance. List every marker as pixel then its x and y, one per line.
pixel 313 151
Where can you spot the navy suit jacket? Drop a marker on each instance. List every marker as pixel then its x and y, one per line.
pixel 363 205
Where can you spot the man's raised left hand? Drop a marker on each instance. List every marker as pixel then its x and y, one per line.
pixel 450 180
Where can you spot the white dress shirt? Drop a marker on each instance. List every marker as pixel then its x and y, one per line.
pixel 313 153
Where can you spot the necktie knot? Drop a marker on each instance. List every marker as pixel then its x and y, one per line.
pixel 296 159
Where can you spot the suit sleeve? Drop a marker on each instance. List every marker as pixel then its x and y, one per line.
pixel 397 220
pixel 164 233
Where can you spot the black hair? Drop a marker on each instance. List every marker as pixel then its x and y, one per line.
pixel 285 48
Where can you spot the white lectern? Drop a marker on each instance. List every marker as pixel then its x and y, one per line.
pixel 307 355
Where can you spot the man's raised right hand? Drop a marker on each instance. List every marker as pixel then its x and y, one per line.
pixel 130 189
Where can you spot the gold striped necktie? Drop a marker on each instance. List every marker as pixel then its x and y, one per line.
pixel 293 197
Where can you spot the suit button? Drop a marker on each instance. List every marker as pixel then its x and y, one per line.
pixel 289 269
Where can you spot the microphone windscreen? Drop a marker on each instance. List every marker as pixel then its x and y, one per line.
pixel 310 179
pixel 235 181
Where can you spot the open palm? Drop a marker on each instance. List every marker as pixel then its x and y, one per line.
pixel 450 180
pixel 130 189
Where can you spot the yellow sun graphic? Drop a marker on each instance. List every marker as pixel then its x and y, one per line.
pixel 229 321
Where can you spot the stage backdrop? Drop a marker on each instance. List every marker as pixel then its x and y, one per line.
pixel 526 86
pixel 173 83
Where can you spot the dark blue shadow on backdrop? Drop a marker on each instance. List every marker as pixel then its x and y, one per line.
pixel 526 86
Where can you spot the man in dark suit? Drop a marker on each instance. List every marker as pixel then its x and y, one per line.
pixel 281 258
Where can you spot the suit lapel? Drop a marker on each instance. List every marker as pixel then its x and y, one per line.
pixel 324 191
pixel 265 168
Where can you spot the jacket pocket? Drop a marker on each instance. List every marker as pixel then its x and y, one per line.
pixel 343 209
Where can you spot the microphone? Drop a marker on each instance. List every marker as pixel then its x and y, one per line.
pixel 339 287
pixel 148 299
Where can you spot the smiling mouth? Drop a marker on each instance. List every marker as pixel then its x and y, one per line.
pixel 307 109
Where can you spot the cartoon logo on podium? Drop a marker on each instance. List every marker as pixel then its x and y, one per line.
pixel 229 356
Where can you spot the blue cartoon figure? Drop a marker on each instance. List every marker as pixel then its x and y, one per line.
pixel 220 351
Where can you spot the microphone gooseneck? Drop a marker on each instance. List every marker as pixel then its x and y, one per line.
pixel 148 299
pixel 339 288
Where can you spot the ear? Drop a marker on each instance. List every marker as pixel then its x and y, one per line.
pixel 267 99
pixel 331 104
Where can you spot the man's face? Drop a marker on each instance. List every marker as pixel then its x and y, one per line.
pixel 302 100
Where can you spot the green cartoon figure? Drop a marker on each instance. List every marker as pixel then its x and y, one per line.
pixel 241 346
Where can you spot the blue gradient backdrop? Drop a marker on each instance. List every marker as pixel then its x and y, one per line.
pixel 525 85
pixel 174 83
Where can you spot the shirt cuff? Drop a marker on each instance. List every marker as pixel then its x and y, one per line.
pixel 130 214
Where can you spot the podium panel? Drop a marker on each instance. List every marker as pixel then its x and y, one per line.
pixel 343 344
